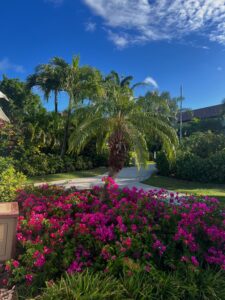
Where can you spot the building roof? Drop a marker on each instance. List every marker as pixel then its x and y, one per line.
pixel 204 113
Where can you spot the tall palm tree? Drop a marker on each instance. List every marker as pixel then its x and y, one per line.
pixel 81 83
pixel 50 78
pixel 119 121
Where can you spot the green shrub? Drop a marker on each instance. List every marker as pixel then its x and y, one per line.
pixel 155 285
pixel 55 164
pixel 189 284
pixel 89 286
pixel 163 164
pixel 204 144
pixel 37 164
pixel 189 166
pixel 201 157
pixel 10 180
pixel 217 167
pixel 83 164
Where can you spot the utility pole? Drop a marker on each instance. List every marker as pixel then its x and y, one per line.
pixel 181 112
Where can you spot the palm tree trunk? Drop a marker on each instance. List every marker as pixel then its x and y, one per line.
pixel 113 173
pixel 118 152
pixel 66 129
pixel 56 101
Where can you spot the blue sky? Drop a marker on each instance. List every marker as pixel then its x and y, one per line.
pixel 169 42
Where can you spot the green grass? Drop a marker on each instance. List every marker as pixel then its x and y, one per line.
pixel 67 176
pixel 189 187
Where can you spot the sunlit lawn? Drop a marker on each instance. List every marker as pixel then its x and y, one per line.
pixel 182 186
pixel 67 176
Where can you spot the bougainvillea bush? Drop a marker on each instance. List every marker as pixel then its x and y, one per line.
pixel 131 230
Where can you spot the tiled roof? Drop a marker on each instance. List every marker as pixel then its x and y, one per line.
pixel 204 113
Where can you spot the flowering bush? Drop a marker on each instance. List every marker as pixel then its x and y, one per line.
pixel 130 231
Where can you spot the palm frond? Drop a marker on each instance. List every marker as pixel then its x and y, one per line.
pixel 139 145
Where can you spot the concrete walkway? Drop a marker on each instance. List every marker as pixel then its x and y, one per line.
pixel 128 177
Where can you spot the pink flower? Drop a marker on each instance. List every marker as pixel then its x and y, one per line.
pixel 194 261
pixel 127 242
pixel 147 268
pixel 7 267
pixel 29 278
pixel 15 264
pixel 75 267
pixel 184 259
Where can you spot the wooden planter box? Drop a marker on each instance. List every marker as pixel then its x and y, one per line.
pixel 8 221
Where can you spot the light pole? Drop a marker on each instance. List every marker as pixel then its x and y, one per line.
pixel 181 111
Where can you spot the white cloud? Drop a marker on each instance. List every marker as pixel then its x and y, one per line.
pixel 90 27
pixel 205 47
pixel 142 20
pixel 151 81
pixel 119 40
pixel 7 65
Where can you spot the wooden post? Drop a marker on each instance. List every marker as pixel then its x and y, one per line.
pixel 8 221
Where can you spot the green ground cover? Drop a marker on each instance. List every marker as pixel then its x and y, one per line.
pixel 67 176
pixel 189 187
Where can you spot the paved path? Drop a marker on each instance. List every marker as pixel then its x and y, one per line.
pixel 128 177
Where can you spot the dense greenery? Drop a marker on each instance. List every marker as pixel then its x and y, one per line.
pixel 208 285
pixel 10 180
pixel 123 123
pixel 216 125
pixel 201 157
pixel 38 140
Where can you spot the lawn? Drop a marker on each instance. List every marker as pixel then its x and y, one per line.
pixel 67 176
pixel 189 187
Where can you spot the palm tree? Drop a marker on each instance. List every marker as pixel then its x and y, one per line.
pixel 123 81
pixel 81 83
pixel 50 78
pixel 160 104
pixel 119 121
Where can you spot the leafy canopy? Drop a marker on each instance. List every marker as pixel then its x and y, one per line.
pixel 118 120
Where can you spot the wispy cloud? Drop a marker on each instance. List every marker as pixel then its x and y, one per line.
pixel 7 65
pixel 219 69
pixel 142 20
pixel 90 26
pixel 120 40
pixel 151 81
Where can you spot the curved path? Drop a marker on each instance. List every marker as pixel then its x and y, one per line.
pixel 128 177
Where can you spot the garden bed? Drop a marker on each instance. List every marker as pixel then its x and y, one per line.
pixel 132 234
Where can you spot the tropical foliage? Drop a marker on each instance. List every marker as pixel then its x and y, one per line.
pixel 103 107
pixel 122 123
pixel 201 157
pixel 10 180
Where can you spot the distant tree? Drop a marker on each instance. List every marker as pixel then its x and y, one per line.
pixel 50 78
pixel 160 104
